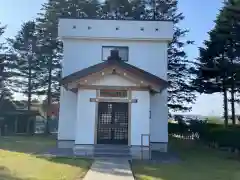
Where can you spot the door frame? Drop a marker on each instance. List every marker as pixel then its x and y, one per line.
pixel 100 99
pixel 113 140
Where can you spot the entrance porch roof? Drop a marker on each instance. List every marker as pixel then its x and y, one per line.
pixel 115 65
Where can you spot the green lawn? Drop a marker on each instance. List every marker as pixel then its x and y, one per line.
pixel 198 163
pixel 27 144
pixel 18 162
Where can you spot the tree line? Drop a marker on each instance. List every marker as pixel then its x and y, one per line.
pixel 31 62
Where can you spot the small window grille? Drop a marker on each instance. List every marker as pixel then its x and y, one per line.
pixel 123 52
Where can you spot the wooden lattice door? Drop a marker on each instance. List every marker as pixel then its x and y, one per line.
pixel 112 123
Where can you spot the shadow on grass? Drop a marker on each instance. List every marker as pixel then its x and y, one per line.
pixel 77 162
pixel 27 144
pixel 185 171
pixel 30 145
pixel 82 163
pixel 198 162
pixel 5 174
pixel 41 167
pixel 27 151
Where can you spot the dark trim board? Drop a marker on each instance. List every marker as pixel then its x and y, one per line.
pixel 68 140
pixel 113 100
pixel 65 140
pixel 139 88
pixel 117 19
pixel 84 144
pixel 136 146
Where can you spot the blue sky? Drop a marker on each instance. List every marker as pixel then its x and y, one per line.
pixel 199 17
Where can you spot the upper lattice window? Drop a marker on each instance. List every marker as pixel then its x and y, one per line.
pixel 123 52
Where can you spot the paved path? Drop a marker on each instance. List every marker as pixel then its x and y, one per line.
pixel 110 169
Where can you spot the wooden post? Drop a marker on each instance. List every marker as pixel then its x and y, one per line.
pixel 142 145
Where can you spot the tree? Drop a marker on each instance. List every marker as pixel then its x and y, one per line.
pixel 219 59
pixel 231 15
pixel 6 66
pixel 180 68
pixel 115 9
pixel 2 57
pixel 51 46
pixel 5 73
pixel 27 66
pixel 212 70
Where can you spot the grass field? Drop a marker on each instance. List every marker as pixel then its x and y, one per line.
pixel 18 162
pixel 198 163
pixel 27 144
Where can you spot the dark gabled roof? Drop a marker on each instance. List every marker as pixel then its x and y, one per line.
pixel 118 63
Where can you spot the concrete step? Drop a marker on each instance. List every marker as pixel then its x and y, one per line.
pixel 103 154
pixel 127 156
pixel 104 151
pixel 111 147
pixel 111 151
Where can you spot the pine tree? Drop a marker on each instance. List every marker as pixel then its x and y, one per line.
pixel 221 55
pixel 5 71
pixel 213 69
pixel 231 15
pixel 27 67
pixel 2 57
pixel 115 9
pixel 51 46
pixel 180 68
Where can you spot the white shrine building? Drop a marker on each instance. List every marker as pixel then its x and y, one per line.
pixel 114 83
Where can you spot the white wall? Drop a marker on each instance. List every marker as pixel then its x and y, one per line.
pixel 113 80
pixel 159 118
pixel 147 50
pixel 140 117
pixel 85 125
pixel 147 55
pixel 107 29
pixel 67 115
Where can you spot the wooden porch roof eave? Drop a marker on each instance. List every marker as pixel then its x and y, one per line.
pixel 152 89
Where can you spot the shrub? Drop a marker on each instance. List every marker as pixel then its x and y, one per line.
pixel 208 133
pixel 178 128
pixel 226 137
